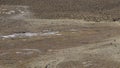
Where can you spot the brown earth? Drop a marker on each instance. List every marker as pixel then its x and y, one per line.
pixel 95 10
pixel 75 34
pixel 66 38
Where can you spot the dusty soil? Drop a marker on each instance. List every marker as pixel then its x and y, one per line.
pixel 95 10
pixel 78 44
pixel 58 40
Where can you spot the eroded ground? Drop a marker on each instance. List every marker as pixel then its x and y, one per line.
pixel 26 42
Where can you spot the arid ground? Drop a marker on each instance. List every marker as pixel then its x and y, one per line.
pixel 59 34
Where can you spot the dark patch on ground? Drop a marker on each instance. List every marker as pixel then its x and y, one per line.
pixel 95 10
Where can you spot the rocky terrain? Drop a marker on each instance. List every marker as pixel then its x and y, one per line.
pixel 59 34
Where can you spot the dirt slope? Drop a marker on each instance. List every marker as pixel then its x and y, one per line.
pixel 98 55
pixel 51 34
pixel 95 10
